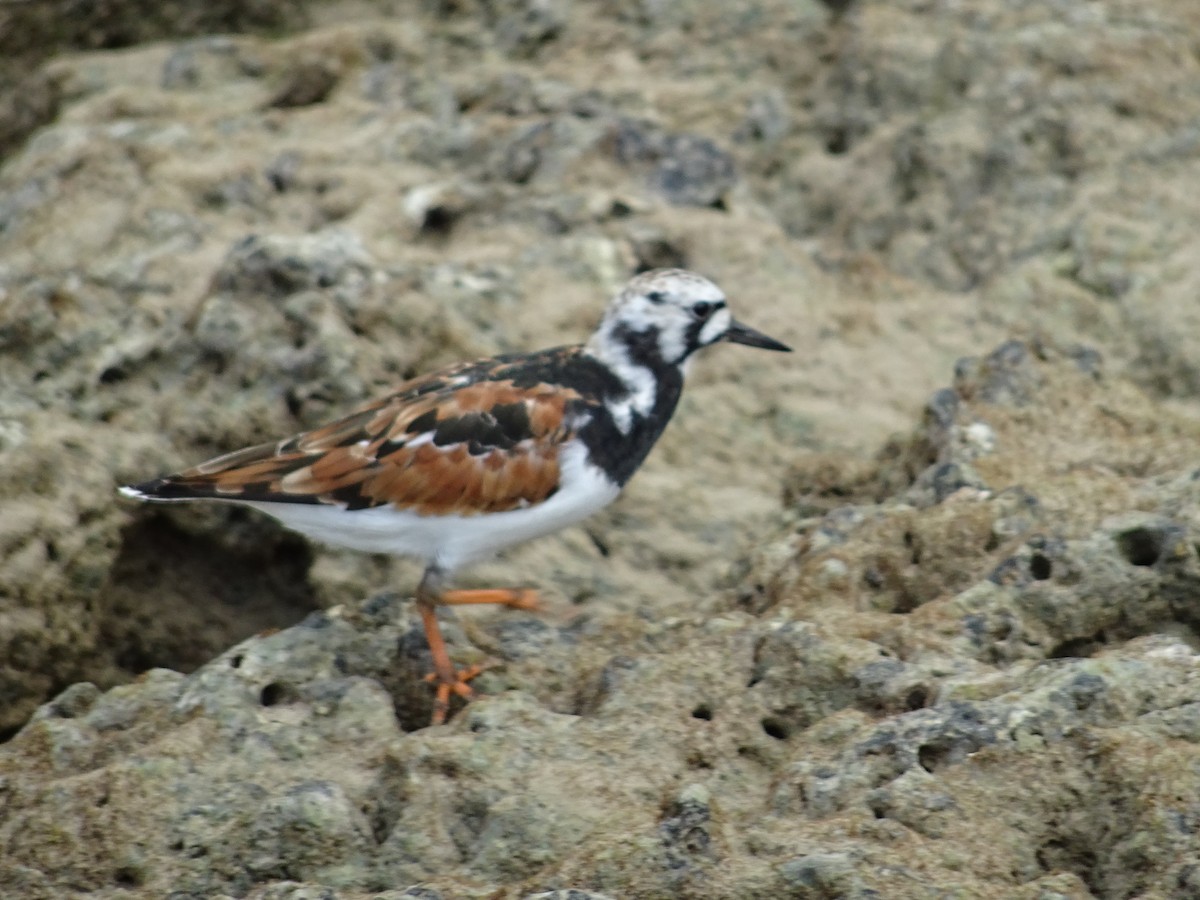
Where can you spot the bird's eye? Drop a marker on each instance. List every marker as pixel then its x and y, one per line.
pixel 703 310
pixel 656 297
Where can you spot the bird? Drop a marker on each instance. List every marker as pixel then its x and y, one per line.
pixel 455 465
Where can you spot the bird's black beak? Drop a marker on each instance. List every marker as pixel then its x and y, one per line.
pixel 744 334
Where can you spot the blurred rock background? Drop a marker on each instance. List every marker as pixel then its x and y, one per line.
pixel 910 613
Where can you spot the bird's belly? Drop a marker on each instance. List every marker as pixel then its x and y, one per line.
pixel 452 540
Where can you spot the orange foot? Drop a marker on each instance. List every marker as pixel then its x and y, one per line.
pixel 451 681
pixel 458 685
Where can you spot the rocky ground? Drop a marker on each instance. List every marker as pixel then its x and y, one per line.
pixel 911 613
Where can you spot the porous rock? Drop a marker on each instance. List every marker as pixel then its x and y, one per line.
pixel 959 661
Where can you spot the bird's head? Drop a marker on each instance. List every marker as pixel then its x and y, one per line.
pixel 666 315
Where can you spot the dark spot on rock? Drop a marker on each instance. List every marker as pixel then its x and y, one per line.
pixel 275 693
pixel 1040 567
pixel 917 698
pixel 932 756
pixel 837 141
pixel 127 876
pixel 439 220
pixel 703 711
pixel 776 728
pixel 658 253
pixel 309 83
pixel 1141 546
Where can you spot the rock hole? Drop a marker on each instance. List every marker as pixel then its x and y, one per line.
pixel 776 728
pixel 274 693
pixel 1078 648
pixel 917 698
pixel 113 374
pixel 127 876
pixel 837 142
pixel 1141 546
pixel 1040 567
pixel 439 220
pixel 932 756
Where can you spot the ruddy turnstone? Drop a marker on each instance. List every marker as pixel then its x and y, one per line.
pixel 455 465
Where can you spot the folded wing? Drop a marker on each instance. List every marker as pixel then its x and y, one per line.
pixel 433 447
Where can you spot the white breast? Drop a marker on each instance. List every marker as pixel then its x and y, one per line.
pixel 452 540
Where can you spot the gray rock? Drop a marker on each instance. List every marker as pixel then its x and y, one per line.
pixel 689 170
pixel 278 266
pixel 820 875
pixel 947 667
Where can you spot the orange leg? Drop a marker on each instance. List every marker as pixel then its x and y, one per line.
pixel 449 680
pixel 514 599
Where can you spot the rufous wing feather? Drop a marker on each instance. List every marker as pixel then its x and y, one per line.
pixel 484 446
